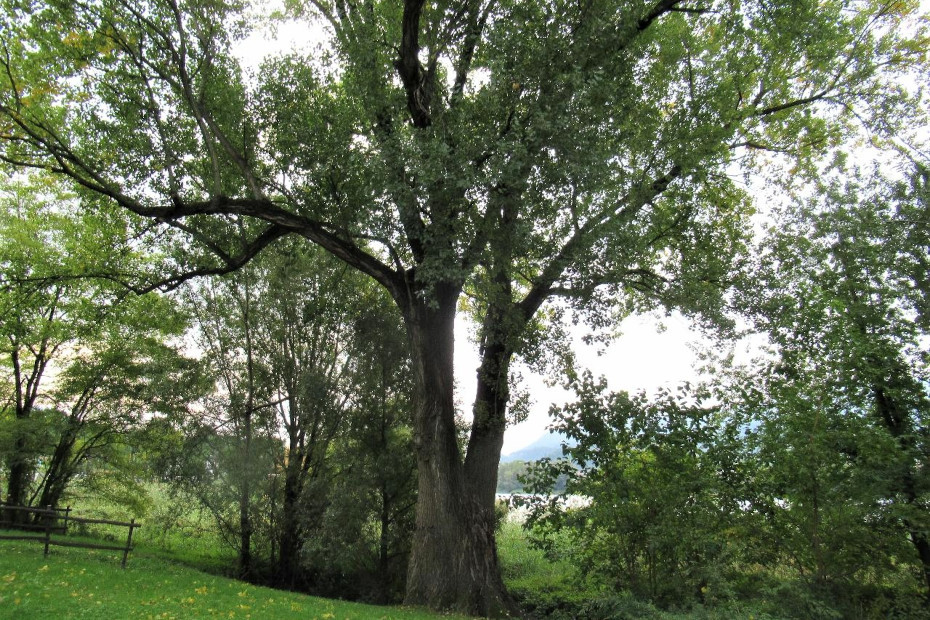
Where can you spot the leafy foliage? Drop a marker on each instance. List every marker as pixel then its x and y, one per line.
pixel 302 451
pixel 801 489
pixel 524 152
pixel 656 482
pixel 107 353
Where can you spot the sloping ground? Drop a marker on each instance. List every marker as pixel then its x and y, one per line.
pixel 80 583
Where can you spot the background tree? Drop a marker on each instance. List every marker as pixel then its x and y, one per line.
pixel 241 417
pixel 659 495
pixel 311 408
pixel 107 353
pixel 108 390
pixel 816 503
pixel 533 150
pixel 835 289
pixel 304 339
pixel 362 542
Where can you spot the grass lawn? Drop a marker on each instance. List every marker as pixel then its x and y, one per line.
pixel 85 583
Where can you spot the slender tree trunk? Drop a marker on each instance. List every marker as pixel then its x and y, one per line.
pixel 245 490
pixel 60 469
pixel 289 536
pixel 245 518
pixel 453 561
pixel 384 575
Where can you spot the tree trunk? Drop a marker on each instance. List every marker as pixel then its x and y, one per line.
pixel 503 321
pixel 245 490
pixel 20 469
pixel 245 486
pixel 289 540
pixel 60 468
pixel 482 459
pixel 384 576
pixel 19 475
pixel 453 560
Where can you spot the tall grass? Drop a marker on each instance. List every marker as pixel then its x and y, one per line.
pixel 172 526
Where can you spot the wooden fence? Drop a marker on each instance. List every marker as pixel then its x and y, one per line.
pixel 55 521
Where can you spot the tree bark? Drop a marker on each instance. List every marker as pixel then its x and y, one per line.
pixel 289 540
pixel 18 481
pixel 482 458
pixel 20 470
pixel 453 561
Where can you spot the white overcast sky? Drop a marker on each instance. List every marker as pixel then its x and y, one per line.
pixel 642 358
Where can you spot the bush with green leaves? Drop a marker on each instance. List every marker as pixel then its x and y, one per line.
pixel 658 514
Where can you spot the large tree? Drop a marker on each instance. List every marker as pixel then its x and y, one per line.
pixel 527 150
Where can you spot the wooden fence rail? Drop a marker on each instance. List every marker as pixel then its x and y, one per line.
pixel 56 520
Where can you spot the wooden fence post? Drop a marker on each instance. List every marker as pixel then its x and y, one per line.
pixel 48 534
pixel 132 524
pixel 67 512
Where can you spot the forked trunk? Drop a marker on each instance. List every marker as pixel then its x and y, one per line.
pixel 490 421
pixel 453 560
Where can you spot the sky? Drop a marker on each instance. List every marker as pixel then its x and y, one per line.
pixel 650 353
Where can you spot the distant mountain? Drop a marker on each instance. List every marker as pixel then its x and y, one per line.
pixel 549 445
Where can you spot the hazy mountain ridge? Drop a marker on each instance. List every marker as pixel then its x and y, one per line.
pixel 548 445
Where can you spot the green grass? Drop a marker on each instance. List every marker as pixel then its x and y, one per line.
pixel 172 527
pixel 538 584
pixel 83 583
pixel 524 567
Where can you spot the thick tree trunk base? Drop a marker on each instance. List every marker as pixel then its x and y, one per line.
pixel 453 560
pixel 454 567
